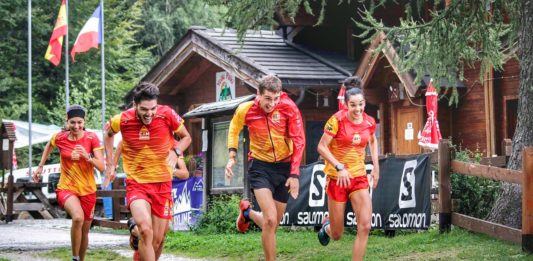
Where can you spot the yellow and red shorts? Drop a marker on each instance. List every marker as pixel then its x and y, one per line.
pixel 87 202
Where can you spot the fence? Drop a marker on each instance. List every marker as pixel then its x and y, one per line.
pixel 120 210
pixel 525 178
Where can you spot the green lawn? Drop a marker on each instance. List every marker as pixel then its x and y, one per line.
pixel 303 245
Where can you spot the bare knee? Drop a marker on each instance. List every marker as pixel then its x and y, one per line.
pixel 336 235
pixel 77 220
pixel 270 222
pixel 145 230
pixel 364 227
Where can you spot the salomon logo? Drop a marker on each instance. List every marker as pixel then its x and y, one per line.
pixel 407 185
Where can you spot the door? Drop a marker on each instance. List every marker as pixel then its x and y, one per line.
pixel 408 124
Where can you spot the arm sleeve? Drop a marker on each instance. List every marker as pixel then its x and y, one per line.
pixel 176 122
pixel 332 126
pixel 96 144
pixel 236 125
pixel 297 135
pixel 53 140
pixel 114 123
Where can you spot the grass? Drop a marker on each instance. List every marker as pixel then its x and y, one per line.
pixel 92 255
pixel 459 244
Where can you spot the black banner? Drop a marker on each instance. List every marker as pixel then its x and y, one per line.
pixel 400 201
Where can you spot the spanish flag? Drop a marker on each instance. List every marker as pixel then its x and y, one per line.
pixel 53 53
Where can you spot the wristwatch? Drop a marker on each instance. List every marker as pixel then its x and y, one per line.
pixel 178 152
pixel 339 167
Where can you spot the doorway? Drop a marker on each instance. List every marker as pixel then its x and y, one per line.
pixel 408 124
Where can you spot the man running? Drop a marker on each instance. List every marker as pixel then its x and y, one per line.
pixel 277 141
pixel 147 133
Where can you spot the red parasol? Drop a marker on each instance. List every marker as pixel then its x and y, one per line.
pixel 430 136
pixel 342 106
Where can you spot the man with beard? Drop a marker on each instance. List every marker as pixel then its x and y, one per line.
pixel 147 146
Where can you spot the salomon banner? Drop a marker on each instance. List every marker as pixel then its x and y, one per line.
pixel 401 199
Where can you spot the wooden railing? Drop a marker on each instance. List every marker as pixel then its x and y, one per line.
pixel 525 178
pixel 120 210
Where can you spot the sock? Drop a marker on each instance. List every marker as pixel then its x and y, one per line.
pixel 75 258
pixel 246 214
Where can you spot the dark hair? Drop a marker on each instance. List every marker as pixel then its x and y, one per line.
pixel 353 86
pixel 269 83
pixel 145 91
pixel 75 111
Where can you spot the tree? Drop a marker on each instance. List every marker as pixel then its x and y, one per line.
pixel 457 34
pixel 165 22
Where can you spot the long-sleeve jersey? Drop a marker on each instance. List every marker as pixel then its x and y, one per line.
pixel 277 136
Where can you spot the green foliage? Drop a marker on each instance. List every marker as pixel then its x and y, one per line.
pixel 220 215
pixel 92 254
pixel 453 38
pixel 475 196
pixel 165 22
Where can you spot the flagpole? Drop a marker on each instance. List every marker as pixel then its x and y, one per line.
pixel 102 70
pixel 67 90
pixel 30 102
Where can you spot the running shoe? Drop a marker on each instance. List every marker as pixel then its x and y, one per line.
pixel 134 240
pixel 323 237
pixel 242 224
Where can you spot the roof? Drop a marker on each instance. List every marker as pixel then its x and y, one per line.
pixel 218 107
pixel 8 131
pixel 369 63
pixel 262 52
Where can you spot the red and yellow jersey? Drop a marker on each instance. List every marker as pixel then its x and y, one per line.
pixel 145 148
pixel 77 174
pixel 274 137
pixel 349 142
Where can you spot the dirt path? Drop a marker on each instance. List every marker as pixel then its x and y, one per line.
pixel 24 239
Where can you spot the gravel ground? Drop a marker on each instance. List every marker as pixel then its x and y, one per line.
pixel 23 239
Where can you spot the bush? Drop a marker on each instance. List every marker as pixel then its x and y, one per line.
pixel 475 196
pixel 220 215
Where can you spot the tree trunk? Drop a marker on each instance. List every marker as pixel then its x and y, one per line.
pixel 508 207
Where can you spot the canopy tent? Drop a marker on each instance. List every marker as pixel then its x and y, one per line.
pixel 42 133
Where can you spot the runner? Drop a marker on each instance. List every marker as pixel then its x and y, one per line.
pixel 147 134
pixel 277 142
pixel 342 145
pixel 80 152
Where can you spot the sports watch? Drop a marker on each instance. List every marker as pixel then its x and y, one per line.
pixel 178 152
pixel 339 167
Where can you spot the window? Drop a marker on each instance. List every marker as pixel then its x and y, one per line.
pixel 220 159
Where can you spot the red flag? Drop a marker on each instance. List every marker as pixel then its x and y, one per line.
pixel 53 52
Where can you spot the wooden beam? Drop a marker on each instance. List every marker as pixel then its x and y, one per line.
pixel 115 193
pixel 192 76
pixel 488 94
pixel 498 161
pixel 28 207
pixel 109 223
pixel 368 63
pixel 488 228
pixel 488 172
pixel 527 200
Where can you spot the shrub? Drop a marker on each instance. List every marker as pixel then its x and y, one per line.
pixel 475 196
pixel 220 215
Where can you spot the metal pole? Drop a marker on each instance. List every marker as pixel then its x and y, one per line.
pixel 30 102
pixel 102 59
pixel 67 89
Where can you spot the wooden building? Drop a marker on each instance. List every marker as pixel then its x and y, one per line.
pixel 311 61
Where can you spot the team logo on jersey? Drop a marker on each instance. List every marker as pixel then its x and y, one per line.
pixel 144 134
pixel 356 139
pixel 275 117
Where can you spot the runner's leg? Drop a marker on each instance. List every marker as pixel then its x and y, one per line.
pixel 268 221
pixel 362 205
pixel 336 219
pixel 73 208
pixel 141 212
pixel 85 238
pixel 160 227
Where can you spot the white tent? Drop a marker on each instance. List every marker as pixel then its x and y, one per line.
pixel 42 133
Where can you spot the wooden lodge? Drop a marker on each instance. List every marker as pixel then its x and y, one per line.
pixel 195 76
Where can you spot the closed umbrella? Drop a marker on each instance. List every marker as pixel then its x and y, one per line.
pixel 430 136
